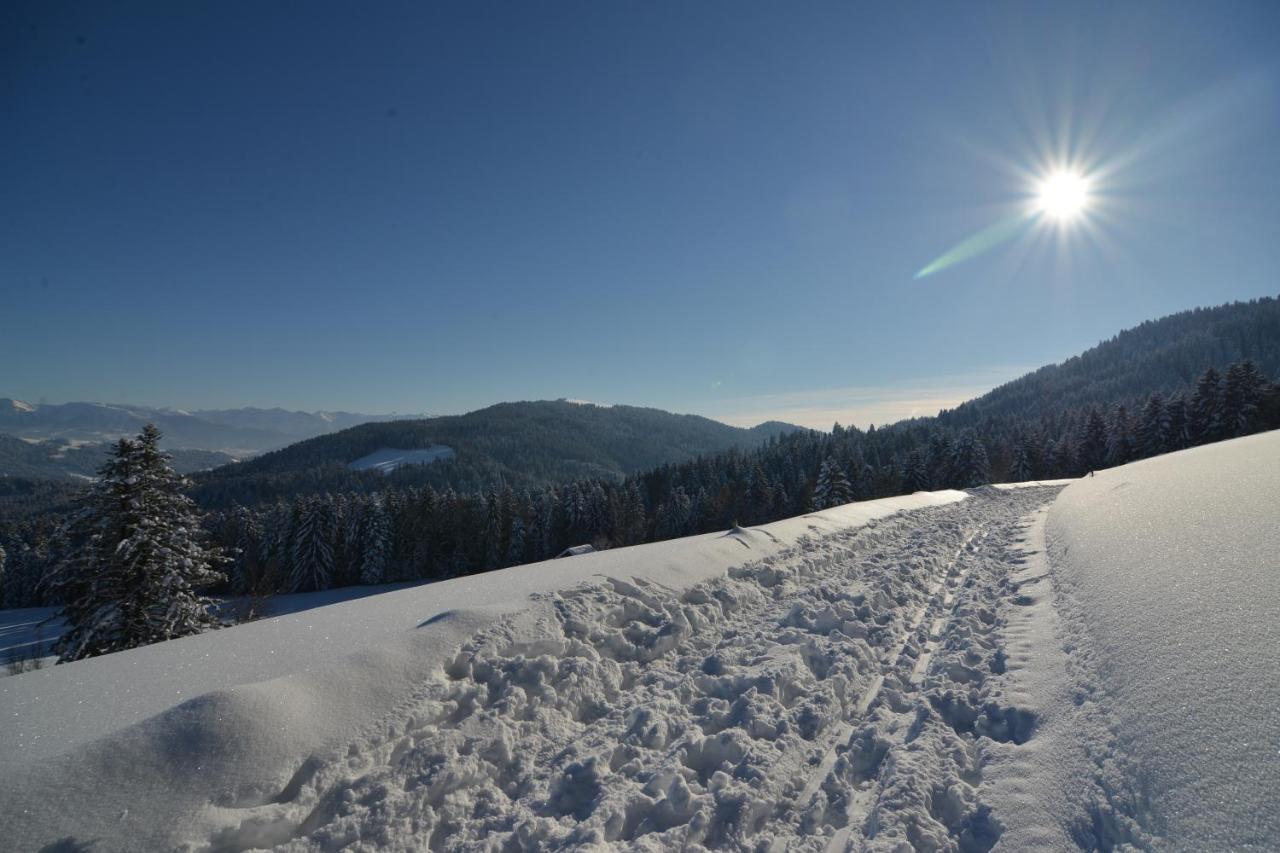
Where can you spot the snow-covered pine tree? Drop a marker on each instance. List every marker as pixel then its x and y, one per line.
pixel 832 487
pixel 860 476
pixel 133 578
pixel 22 583
pixel 311 566
pixel 375 542
pixel 491 533
pixel 1206 409
pixel 760 497
pixel 939 460
pixel 1092 453
pixel 1241 394
pixel 634 522
pixel 245 570
pixel 915 475
pixel 1179 435
pixel 1153 433
pixel 672 515
pixel 515 544
pixel 346 556
pixel 969 464
pixel 1120 438
pixel 1066 461
pixel 1020 469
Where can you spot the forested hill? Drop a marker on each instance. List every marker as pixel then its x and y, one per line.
pixel 524 444
pixel 64 460
pixel 1165 355
pixel 537 444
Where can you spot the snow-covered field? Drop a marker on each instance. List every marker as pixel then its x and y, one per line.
pixel 936 672
pixel 1172 566
pixel 388 459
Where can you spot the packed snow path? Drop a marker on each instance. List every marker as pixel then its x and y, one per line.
pixel 838 695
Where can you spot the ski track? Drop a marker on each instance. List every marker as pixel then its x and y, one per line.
pixel 835 696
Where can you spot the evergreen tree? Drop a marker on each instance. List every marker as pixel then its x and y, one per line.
pixel 915 475
pixel 492 533
pixel 760 497
pixel 133 578
pixel 516 545
pixel 674 515
pixel 312 559
pixel 1154 435
pixel 375 543
pixel 1092 453
pixel 1020 470
pixel 1206 409
pixel 1120 438
pixel 1179 424
pixel 969 465
pixel 1241 394
pixel 940 453
pixel 832 487
pixel 245 570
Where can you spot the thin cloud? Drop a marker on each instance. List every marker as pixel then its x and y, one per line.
pixel 862 406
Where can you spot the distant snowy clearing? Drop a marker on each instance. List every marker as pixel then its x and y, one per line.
pixel 389 459
pixel 942 671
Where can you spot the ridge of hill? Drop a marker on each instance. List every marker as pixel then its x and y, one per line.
pixel 521 444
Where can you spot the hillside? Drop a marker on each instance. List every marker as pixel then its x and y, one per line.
pixel 237 432
pixel 518 444
pixel 1165 355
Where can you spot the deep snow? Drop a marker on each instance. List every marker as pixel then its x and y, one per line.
pixel 1171 567
pixel 1009 669
pixel 142 741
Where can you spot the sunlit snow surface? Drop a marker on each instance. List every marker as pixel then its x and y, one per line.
pixel 928 671
pixel 159 733
pixel 1173 566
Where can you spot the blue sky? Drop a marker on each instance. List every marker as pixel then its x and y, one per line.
pixel 711 208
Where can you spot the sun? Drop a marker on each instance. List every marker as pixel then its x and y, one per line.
pixel 1063 196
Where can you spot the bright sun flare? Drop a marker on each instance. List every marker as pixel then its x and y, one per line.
pixel 1063 196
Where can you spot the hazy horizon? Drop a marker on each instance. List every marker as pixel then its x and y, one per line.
pixel 860 407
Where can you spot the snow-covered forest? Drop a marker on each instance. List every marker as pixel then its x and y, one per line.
pixel 322 540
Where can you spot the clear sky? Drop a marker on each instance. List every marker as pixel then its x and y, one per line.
pixel 711 208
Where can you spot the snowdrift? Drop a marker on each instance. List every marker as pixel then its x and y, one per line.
pixel 131 749
pixel 1171 566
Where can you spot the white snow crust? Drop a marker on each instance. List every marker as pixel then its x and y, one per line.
pixel 1170 571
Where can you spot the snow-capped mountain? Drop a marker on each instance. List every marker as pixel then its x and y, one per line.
pixel 237 432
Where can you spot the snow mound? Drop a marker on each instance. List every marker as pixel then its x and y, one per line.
pixel 389 459
pixel 1170 566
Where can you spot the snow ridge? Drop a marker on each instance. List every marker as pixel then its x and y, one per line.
pixel 841 689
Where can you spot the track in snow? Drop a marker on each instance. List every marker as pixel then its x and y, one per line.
pixel 832 696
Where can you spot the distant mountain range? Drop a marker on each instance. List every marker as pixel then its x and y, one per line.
pixel 61 459
pixel 525 444
pixel 236 432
